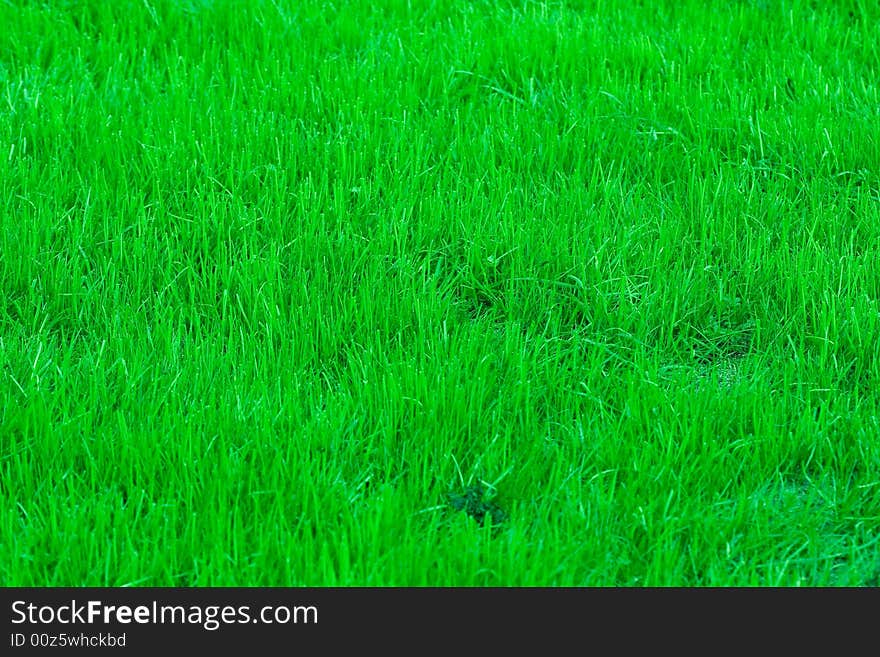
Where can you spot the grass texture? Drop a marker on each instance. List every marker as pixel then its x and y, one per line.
pixel 465 293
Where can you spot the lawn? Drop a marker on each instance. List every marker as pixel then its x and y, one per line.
pixel 462 293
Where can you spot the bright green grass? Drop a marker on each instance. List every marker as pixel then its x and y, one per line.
pixel 277 277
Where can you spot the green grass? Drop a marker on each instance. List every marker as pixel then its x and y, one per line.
pixel 286 286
